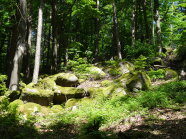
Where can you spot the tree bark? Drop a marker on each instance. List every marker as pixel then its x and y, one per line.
pixel 144 4
pixel 21 44
pixel 133 22
pixel 55 44
pixel 158 27
pixel 153 38
pixel 97 28
pixel 117 43
pixel 38 44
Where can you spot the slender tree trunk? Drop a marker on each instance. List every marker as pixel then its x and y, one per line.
pixel 21 45
pixel 133 23
pixel 55 44
pixel 158 27
pixel 26 61
pixel 97 28
pixel 38 43
pixel 115 31
pixel 153 36
pixel 145 19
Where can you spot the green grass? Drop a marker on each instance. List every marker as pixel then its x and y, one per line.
pixel 105 111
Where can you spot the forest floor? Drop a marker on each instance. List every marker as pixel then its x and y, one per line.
pixel 159 123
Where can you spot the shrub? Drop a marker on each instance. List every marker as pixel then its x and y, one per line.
pixel 156 74
pixel 3 88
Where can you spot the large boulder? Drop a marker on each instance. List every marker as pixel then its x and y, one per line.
pixel 66 80
pixel 135 81
pixel 170 74
pixel 95 73
pixel 37 95
pixel 62 94
pixel 139 81
pixel 116 68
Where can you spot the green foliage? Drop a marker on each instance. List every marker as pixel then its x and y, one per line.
pixel 181 52
pixel 156 74
pixel 3 88
pixel 144 49
pixel 140 63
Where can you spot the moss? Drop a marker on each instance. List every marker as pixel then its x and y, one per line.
pixel 13 95
pixel 33 109
pixel 14 105
pixel 111 90
pixel 95 92
pixel 62 94
pixel 57 108
pixel 106 83
pixel 40 96
pixel 46 83
pixel 71 102
pixel 138 81
pixel 95 73
pixel 66 79
pixel 170 74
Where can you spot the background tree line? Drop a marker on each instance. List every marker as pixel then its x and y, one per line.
pixel 43 36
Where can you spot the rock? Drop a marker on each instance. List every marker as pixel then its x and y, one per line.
pixel 111 90
pixel 117 68
pixel 158 61
pixel 126 67
pixel 66 80
pixel 95 73
pixel 39 96
pixel 32 109
pixel 139 81
pixel 106 83
pixel 15 104
pixel 46 83
pixel 13 95
pixel 170 74
pixel 57 108
pixel 62 94
pixel 71 102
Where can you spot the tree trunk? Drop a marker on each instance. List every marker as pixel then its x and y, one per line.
pixel 133 22
pixel 97 28
pixel 38 44
pixel 55 44
pixel 144 4
pixel 21 45
pixel 158 27
pixel 117 43
pixel 153 38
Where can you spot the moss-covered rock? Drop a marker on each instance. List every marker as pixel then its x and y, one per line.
pixel 33 109
pixel 62 94
pixel 57 108
pixel 46 83
pixel 39 96
pixel 158 61
pixel 71 102
pixel 139 81
pixel 106 83
pixel 95 73
pixel 170 74
pixel 111 90
pixel 15 104
pixel 66 80
pixel 117 68
pixel 13 95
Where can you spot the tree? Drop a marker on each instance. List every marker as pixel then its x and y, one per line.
pixel 116 40
pixel 21 44
pixel 38 45
pixel 158 26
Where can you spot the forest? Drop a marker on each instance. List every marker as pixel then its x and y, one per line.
pixel 92 69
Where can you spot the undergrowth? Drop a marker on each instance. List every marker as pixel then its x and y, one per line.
pixel 103 111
